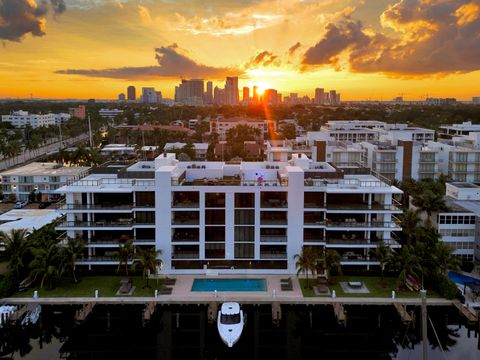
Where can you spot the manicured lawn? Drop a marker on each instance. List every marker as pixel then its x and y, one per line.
pixel 374 284
pixel 3 267
pixel 106 286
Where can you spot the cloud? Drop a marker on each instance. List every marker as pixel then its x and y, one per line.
pixel 172 63
pixel 294 48
pixel 144 14
pixel 430 37
pixel 263 59
pixel 20 17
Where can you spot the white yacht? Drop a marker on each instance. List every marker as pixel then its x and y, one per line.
pixel 230 323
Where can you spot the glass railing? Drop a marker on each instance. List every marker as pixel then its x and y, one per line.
pixel 96 207
pixel 126 223
pixel 273 238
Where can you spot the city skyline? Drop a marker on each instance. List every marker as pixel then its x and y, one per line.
pixel 364 50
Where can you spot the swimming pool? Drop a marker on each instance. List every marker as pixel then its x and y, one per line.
pixel 229 285
pixel 460 278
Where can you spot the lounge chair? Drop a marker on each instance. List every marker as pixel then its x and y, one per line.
pixel 165 290
pixel 170 281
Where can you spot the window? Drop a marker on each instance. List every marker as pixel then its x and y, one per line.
pixel 244 200
pixel 215 200
pixel 244 251
pixel 244 233
pixel 215 217
pixel 214 234
pixel 244 217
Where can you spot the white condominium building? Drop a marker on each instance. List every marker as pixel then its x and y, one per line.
pixel 458 225
pixel 45 178
pixel 251 217
pixel 20 119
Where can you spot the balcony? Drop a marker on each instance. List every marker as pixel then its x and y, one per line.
pixel 272 256
pixel 99 260
pixel 273 238
pixel 99 207
pixel 273 218
pixel 355 224
pixel 362 207
pixel 68 225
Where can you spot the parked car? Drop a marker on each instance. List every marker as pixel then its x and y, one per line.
pixel 44 204
pixel 21 204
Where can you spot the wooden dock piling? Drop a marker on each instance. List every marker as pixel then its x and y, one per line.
pixel 402 312
pixel 276 313
pixel 86 310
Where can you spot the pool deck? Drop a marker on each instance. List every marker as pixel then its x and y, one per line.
pixel 182 294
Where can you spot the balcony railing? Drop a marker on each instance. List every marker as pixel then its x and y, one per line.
pixel 362 207
pixel 72 224
pixel 224 182
pixel 268 221
pixel 268 255
pixel 389 242
pixel 355 224
pixel 273 238
pixel 96 207
pixel 112 181
pixel 185 255
pixel 116 242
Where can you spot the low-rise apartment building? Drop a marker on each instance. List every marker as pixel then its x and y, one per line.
pixel 20 119
pixel 459 226
pixel 248 217
pixel 45 178
pixel 221 126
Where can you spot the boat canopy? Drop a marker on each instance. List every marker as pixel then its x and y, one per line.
pixel 230 308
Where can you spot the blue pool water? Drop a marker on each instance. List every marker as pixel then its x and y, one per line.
pixel 229 285
pixel 460 278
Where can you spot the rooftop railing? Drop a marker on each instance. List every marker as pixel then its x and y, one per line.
pixel 113 181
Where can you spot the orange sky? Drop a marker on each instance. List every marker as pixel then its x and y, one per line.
pixel 363 49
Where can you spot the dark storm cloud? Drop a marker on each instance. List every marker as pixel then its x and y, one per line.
pixel 432 37
pixel 171 63
pixel 264 58
pixel 20 17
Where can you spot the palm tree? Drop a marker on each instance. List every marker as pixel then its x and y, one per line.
pixel 15 248
pixel 444 259
pixel 71 252
pixel 331 261
pixel 429 202
pixel 409 223
pixel 46 264
pixel 306 262
pixel 407 262
pixel 147 260
pixel 383 254
pixel 124 254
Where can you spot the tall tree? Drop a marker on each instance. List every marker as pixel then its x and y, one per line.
pixel 124 254
pixel 71 252
pixel 429 202
pixel 15 248
pixel 410 223
pixel 306 262
pixel 46 264
pixel 383 254
pixel 147 260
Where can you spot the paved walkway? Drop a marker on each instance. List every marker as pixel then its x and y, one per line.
pixel 182 294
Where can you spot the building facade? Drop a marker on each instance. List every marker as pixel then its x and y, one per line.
pixel 231 218
pixel 20 119
pixel 44 178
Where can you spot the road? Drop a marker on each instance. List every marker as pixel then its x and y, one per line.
pixel 27 155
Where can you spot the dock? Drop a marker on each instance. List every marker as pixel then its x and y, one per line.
pixel 86 310
pixel 468 313
pixel 403 313
pixel 212 312
pixel 276 313
pixel 340 313
pixel 148 311
pixel 17 315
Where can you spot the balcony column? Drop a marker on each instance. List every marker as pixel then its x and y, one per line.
pixel 229 225
pixel 201 221
pixel 256 253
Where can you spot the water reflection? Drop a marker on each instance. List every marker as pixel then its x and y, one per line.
pixel 183 332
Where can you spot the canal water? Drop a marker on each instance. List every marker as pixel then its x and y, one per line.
pixel 183 332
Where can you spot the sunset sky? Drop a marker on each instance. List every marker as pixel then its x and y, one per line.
pixel 376 49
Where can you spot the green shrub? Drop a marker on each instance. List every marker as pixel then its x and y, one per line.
pixel 467 266
pixel 445 287
pixel 8 285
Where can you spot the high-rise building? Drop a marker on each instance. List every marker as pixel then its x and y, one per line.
pixel 231 90
pixel 149 95
pixel 190 92
pixel 270 96
pixel 333 97
pixel 319 96
pixel 219 96
pixel 255 93
pixel 159 96
pixel 338 99
pixel 121 97
pixel 209 94
pixel 131 93
pixel 246 93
